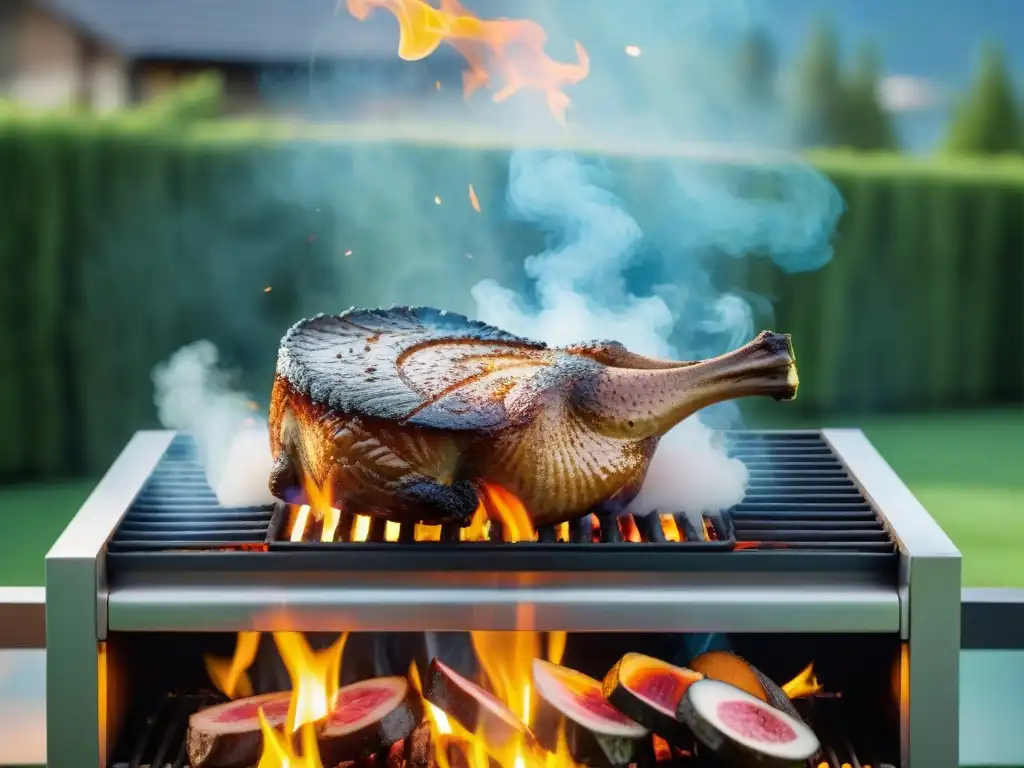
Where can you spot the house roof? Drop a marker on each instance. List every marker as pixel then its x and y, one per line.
pixel 231 30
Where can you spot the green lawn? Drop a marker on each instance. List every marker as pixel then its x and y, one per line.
pixel 967 469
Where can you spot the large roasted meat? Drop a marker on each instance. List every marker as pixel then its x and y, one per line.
pixel 404 413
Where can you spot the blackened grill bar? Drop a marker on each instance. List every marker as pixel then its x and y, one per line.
pixel 828 540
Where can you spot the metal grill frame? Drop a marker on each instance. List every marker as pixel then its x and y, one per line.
pixel 86 608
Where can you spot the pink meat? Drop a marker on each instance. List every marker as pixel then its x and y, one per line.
pixel 247 710
pixel 755 722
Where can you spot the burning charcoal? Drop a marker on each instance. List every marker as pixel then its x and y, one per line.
pixel 649 690
pixel 445 387
pixel 395 757
pixel 368 717
pixel 419 747
pixel 743 730
pixel 596 733
pixel 475 709
pixel 228 735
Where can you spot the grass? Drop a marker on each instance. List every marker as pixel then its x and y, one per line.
pixel 967 469
pixel 31 518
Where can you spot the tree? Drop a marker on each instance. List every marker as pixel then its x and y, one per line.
pixel 819 89
pixel 987 120
pixel 866 124
pixel 757 69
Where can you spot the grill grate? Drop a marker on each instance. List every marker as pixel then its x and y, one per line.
pixel 177 510
pixel 157 739
pixel 801 511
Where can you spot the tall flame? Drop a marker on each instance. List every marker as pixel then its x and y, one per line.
pixel 314 676
pixel 230 676
pixel 510 50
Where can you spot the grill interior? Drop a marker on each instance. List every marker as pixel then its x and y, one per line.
pixel 802 510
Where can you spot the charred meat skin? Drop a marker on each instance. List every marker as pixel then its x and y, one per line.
pixel 404 413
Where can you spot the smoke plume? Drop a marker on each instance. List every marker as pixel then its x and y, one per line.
pixel 640 256
pixel 580 289
pixel 194 395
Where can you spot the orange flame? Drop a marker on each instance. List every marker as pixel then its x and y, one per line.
pixel 278 751
pixel 804 684
pixel 230 675
pixel 508 49
pixel 314 676
pixel 505 507
pixel 670 528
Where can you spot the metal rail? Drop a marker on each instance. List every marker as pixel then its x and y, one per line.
pixel 991 619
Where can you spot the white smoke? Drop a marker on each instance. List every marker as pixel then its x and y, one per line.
pixel 581 294
pixel 194 395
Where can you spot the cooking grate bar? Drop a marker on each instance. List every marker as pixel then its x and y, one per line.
pixel 799 498
pixel 160 742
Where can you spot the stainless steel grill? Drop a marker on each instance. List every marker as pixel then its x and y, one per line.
pixel 828 540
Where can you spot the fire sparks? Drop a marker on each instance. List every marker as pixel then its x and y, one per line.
pixel 473 199
pixel 803 685
pixel 510 50
pixel 633 51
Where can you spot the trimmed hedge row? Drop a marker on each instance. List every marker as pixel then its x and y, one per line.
pixel 120 242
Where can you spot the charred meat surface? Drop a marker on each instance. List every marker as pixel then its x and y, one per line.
pixel 228 735
pixel 405 413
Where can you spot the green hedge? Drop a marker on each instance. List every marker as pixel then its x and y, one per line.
pixel 120 241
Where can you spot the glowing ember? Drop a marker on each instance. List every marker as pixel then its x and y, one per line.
pixel 670 528
pixel 511 50
pixel 473 199
pixel 633 50
pixel 360 528
pixel 803 685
